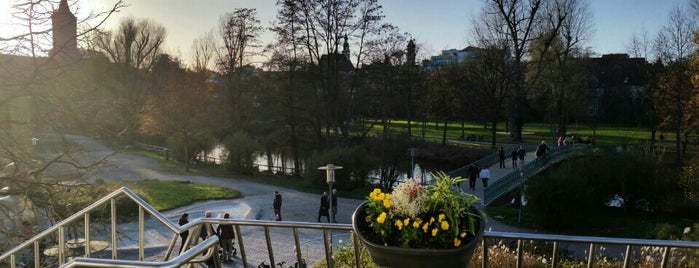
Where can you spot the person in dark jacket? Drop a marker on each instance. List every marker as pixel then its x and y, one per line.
pixel 184 219
pixel 472 177
pixel 521 153
pixel 514 154
pixel 323 211
pixel 226 234
pixel 333 204
pixel 501 156
pixel 277 206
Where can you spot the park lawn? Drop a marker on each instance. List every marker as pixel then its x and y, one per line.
pixel 532 132
pixel 165 195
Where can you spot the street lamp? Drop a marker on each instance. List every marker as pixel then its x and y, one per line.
pixel 412 162
pixel 521 189
pixel 330 179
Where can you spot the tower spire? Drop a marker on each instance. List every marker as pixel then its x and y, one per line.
pixel 345 49
pixel 65 27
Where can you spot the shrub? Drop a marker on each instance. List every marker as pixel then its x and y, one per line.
pixel 241 151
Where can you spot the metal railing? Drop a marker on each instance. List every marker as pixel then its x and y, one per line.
pixel 583 247
pixel 517 177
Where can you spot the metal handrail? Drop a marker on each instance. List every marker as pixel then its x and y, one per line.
pixel 143 207
pixel 193 255
pixel 512 180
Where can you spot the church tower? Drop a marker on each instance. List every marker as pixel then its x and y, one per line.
pixel 345 49
pixel 410 58
pixel 65 28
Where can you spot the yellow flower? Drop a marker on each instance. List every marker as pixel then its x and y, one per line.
pixel 381 217
pixel 457 242
pixel 441 217
pixel 388 196
pixel 386 203
pixel 425 227
pixel 462 234
pixel 431 220
pixel 445 225
pixel 416 223
pixel 434 232
pixel 399 224
pixel 406 221
pixel 375 193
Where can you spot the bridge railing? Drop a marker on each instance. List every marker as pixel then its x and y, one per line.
pixel 517 177
pixel 553 248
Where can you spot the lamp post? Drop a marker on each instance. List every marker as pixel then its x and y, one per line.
pixel 330 179
pixel 521 189
pixel 412 162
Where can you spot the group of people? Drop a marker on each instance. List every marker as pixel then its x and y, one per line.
pixel 474 173
pixel 324 205
pixel 225 233
pixel 514 155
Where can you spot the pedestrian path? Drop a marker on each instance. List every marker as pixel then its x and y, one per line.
pixel 256 205
pixel 496 172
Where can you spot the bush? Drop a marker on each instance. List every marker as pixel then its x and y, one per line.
pixel 579 187
pixel 241 151
pixel 563 194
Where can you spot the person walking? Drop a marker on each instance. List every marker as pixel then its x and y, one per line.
pixel 277 204
pixel 521 153
pixel 323 210
pixel 484 174
pixel 472 177
pixel 541 153
pixel 184 219
pixel 514 154
pixel 333 204
pixel 226 234
pixel 204 234
pixel 501 155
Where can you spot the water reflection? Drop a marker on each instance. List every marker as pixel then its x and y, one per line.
pixel 421 175
pixel 279 163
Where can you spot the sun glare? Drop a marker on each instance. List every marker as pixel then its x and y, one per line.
pixel 5 11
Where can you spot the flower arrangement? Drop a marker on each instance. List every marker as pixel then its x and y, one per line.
pixel 434 216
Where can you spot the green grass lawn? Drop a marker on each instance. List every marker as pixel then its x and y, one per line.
pixel 531 132
pixel 165 195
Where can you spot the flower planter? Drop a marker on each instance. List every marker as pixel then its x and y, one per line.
pixel 391 256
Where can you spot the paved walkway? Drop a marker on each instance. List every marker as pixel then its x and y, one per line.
pixel 257 205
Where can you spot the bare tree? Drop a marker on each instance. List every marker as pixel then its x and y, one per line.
pixel 511 25
pixel 203 51
pixel 558 72
pixel 135 43
pixel 40 97
pixel 675 46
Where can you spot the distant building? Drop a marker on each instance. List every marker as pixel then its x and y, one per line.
pixel 448 57
pixel 65 27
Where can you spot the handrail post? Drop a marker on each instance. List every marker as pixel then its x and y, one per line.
pixel 141 231
pixel 591 256
pixel 114 228
pixel 86 234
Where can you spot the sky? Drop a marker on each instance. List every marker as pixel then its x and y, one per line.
pixel 436 24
